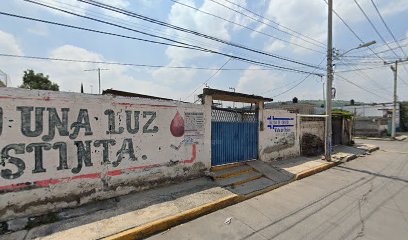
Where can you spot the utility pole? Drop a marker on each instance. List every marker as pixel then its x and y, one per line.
pixel 233 103
pixel 324 97
pixel 329 84
pixel 99 75
pixel 394 107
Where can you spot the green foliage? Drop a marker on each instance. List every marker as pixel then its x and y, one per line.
pixel 2 84
pixel 33 80
pixel 342 113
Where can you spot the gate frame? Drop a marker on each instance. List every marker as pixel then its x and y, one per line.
pixel 209 95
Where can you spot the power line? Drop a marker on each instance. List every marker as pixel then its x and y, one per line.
pixel 304 79
pixel 388 29
pixel 165 24
pixel 124 64
pixel 367 77
pixel 209 79
pixel 303 37
pixel 382 46
pixel 162 43
pixel 373 26
pixel 297 84
pixel 360 69
pixel 390 32
pixel 353 32
pixel 352 83
pixel 133 24
pixel 241 25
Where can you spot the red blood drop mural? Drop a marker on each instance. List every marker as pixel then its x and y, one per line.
pixel 177 125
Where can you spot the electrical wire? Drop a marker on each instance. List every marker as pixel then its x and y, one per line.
pixel 360 69
pixel 352 83
pixel 367 77
pixel 373 26
pixel 66 7
pixel 128 64
pixel 209 79
pixel 392 34
pixel 303 37
pixel 277 67
pixel 165 24
pixel 388 28
pixel 353 32
pixel 241 25
pixel 297 84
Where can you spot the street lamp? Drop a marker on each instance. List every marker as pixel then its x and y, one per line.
pixel 329 85
pixel 363 45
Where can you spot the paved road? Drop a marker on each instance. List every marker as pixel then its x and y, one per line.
pixel 363 199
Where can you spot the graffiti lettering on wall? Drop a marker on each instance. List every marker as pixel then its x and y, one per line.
pixel 280 124
pixel 59 124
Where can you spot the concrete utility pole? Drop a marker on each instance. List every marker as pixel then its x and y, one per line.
pixel 99 75
pixel 394 108
pixel 233 103
pixel 328 133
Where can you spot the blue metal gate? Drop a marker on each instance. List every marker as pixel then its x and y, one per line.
pixel 234 136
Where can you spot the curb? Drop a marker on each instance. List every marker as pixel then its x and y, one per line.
pixel 160 225
pixel 165 223
pixel 318 169
pixel 373 149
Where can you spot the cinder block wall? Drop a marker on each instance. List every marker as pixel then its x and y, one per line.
pixel 65 149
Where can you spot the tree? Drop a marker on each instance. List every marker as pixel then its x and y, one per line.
pixel 2 84
pixel 33 80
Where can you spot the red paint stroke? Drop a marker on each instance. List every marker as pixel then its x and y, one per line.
pixel 48 182
pixel 47 98
pixel 193 157
pixel 134 104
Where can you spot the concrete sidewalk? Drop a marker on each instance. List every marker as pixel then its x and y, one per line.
pixel 138 215
pixel 400 137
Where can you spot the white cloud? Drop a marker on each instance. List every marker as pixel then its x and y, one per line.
pixel 293 14
pixel 123 4
pixel 39 30
pixel 354 14
pixel 81 8
pixel 274 46
pixel 195 20
pixel 258 82
pixel 70 75
pixel 8 44
pixel 169 76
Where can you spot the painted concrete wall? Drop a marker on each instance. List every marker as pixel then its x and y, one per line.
pixel 311 135
pixel 279 137
pixel 66 149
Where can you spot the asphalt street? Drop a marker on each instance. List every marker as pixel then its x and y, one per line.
pixel 366 198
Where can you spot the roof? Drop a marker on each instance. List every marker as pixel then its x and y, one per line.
pixel 129 94
pixel 233 96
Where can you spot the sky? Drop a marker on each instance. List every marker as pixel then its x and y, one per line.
pixel 289 34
